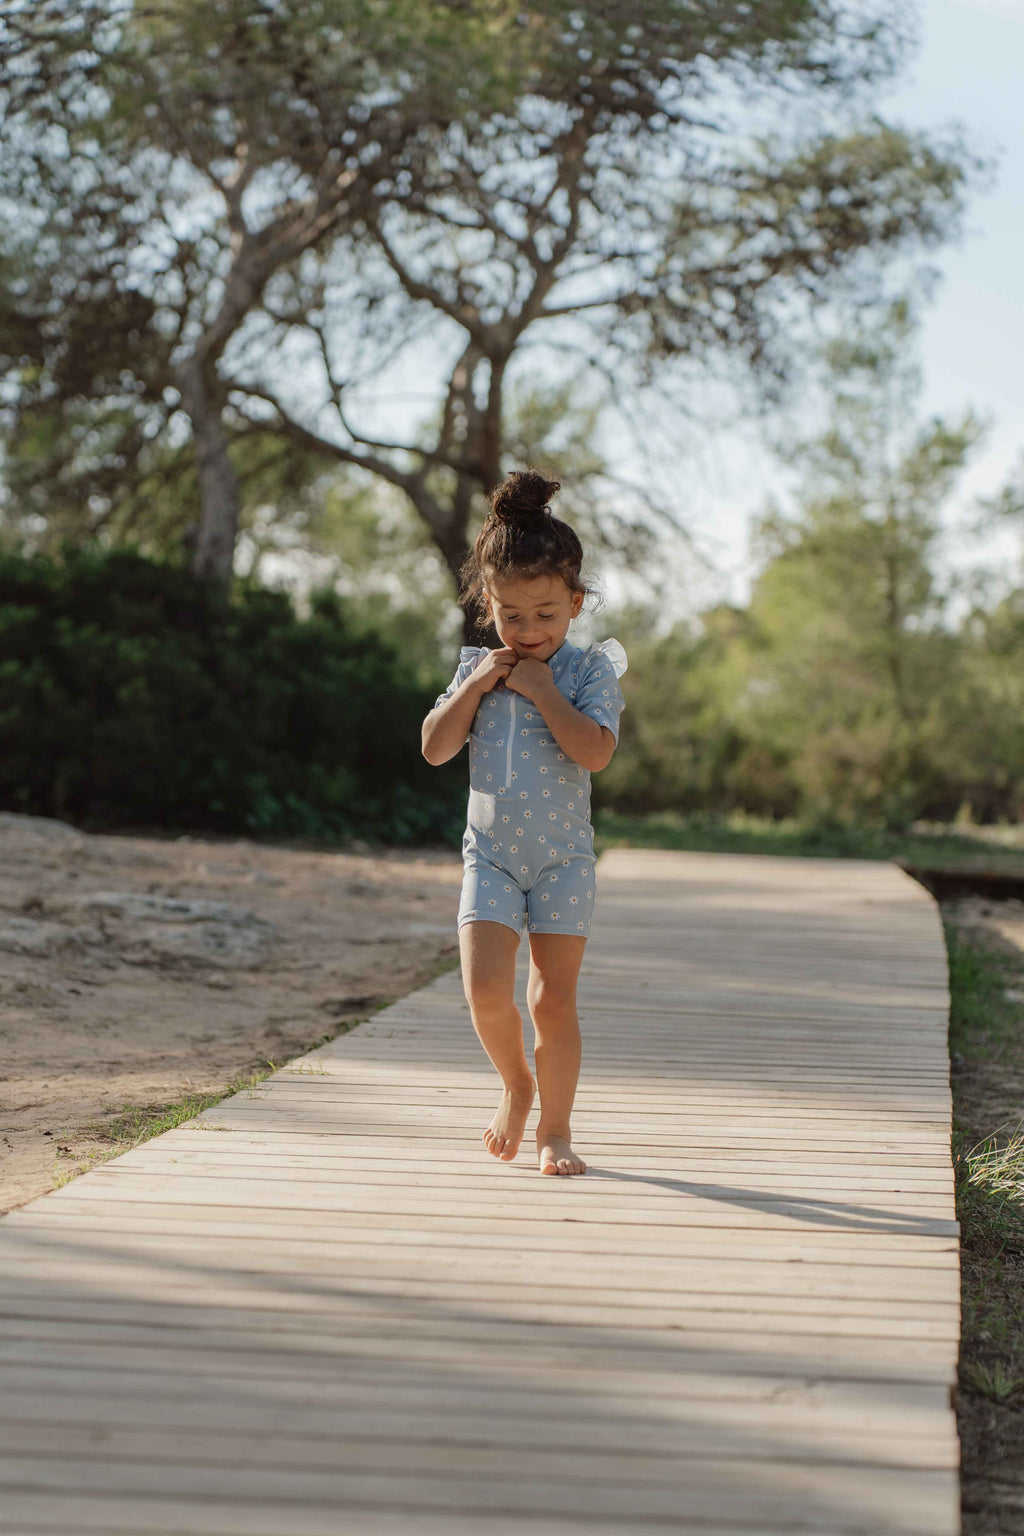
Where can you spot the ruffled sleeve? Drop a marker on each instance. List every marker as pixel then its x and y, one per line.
pixel 599 695
pixel 469 657
pixel 615 652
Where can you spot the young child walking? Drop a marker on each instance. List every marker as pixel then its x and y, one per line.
pixel 541 715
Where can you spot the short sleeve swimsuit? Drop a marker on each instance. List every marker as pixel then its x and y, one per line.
pixel 528 847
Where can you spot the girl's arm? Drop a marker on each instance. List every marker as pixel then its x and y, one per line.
pixel 586 742
pixel 446 727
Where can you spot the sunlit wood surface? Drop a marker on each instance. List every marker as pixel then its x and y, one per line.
pixel 324 1310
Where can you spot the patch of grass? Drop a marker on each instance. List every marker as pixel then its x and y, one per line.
pixel 990 1192
pixel 65 1175
pixel 995 1382
pixel 987 1056
pixel 997 1170
pixel 133 1124
pixel 984 1023
pixel 998 848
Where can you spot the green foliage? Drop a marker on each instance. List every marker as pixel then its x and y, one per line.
pixel 841 694
pixel 679 748
pixel 132 694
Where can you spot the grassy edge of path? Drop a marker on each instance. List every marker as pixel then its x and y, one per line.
pixel 996 848
pixel 987 1074
pixel 131 1125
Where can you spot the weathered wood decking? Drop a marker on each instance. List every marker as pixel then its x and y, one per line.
pixel 325 1309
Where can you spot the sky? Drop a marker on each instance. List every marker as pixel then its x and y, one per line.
pixel 968 69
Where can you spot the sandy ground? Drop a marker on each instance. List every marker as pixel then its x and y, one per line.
pixel 1002 920
pixel 134 971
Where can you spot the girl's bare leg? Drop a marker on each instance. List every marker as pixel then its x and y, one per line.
pixel 555 960
pixel 488 953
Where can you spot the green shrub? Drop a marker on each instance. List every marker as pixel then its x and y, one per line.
pixel 133 694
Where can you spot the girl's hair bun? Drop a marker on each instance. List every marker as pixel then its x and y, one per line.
pixel 521 500
pixel 519 540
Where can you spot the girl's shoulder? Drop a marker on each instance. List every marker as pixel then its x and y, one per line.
pixel 612 650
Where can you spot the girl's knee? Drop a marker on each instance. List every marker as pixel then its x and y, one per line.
pixel 487 994
pixel 551 1004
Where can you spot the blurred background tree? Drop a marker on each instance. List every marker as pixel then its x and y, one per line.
pixel 858 681
pixel 234 217
pixel 167 160
pixel 286 288
pixel 843 691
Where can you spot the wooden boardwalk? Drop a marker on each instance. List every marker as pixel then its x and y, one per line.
pixel 323 1310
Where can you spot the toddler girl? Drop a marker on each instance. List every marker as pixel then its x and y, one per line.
pixel 541 715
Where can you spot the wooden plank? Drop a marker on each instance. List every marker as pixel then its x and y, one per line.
pixel 245 1429
pixel 413 1152
pixel 780 1213
pixel 884 1280
pixel 616 1450
pixel 516 1183
pixel 648 1307
pixel 688 1394
pixel 376 1169
pixel 322 1306
pixel 820 1245
pixel 693 1374
pixel 726 1490
pixel 49 1514
pixel 535 1349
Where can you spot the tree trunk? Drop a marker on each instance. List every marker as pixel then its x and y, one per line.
pixel 472 634
pixel 454 548
pixel 220 501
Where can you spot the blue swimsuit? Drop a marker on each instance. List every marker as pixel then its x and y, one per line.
pixel 528 847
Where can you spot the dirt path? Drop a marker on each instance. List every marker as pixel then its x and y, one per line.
pixel 134 971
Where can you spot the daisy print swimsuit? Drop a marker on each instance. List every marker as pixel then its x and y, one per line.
pixel 528 847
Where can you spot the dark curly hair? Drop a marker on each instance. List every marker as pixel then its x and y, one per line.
pixel 520 538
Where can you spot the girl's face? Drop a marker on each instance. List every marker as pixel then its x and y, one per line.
pixel 532 615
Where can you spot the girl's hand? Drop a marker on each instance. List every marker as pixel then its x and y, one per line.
pixel 495 667
pixel 531 678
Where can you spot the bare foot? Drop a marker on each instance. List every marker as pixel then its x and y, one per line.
pixel 557 1156
pixel 505 1132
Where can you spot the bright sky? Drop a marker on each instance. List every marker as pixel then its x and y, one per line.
pixel 969 69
